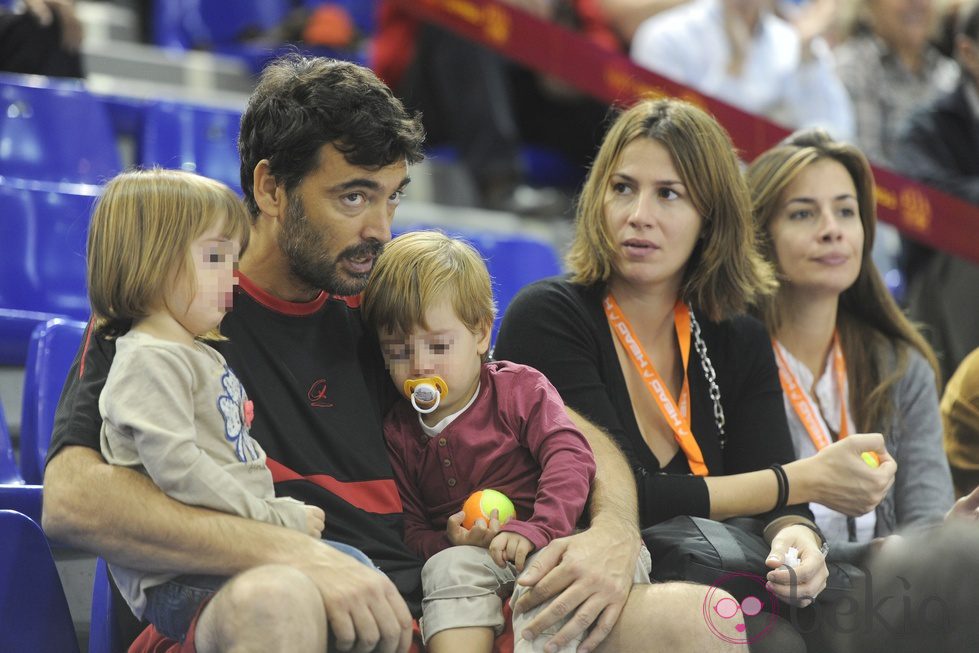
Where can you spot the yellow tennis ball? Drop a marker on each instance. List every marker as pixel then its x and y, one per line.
pixel 481 503
pixel 871 458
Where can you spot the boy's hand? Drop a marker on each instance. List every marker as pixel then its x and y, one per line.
pixel 512 547
pixel 481 534
pixel 315 521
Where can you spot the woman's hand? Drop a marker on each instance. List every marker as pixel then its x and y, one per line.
pixel 838 478
pixel 799 585
pixel 481 533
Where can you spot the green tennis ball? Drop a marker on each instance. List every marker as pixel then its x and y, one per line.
pixel 871 458
pixel 481 503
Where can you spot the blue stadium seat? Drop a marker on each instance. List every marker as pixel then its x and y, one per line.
pixel 32 601
pixel 104 636
pixel 515 261
pixel 14 495
pixel 8 463
pixel 54 131
pixel 16 327
pixel 49 358
pixel 25 499
pixel 546 166
pixel 206 23
pixel 196 138
pixel 44 236
pixel 219 26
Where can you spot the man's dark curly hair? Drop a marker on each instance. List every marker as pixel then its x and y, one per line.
pixel 302 103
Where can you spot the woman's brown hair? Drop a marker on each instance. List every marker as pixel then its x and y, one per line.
pixel 725 272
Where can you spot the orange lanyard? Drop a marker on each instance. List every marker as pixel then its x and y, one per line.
pixel 800 400
pixel 677 416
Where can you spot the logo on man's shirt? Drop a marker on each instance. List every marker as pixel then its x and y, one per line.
pixel 317 395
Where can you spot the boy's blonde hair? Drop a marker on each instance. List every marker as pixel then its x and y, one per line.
pixel 421 268
pixel 140 236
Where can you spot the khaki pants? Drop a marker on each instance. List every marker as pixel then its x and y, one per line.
pixel 464 588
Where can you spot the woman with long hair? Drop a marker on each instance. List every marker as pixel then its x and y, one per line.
pixel 849 360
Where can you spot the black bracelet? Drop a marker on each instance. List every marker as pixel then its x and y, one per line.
pixel 783 486
pixel 824 545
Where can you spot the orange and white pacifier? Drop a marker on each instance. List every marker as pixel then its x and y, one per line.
pixel 425 393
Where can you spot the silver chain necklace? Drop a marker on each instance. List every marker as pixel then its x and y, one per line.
pixel 711 376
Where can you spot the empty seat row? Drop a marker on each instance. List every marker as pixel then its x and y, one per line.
pixel 32 602
pixel 57 132
pixel 231 26
pixel 52 349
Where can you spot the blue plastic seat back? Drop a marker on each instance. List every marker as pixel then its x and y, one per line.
pixel 8 463
pixel 44 236
pixel 14 495
pixel 228 20
pixel 16 327
pixel 515 261
pixel 103 637
pixel 25 499
pixel 20 234
pixel 55 132
pixel 196 138
pixel 52 351
pixel 205 23
pixel 33 607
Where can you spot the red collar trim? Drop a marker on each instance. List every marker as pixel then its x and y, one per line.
pixel 292 308
pixel 280 305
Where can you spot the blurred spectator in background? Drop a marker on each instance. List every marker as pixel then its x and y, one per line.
pixel 43 40
pixel 960 414
pixel 948 16
pixel 941 148
pixel 740 52
pixel 625 16
pixel 920 595
pixel 889 67
pixel 472 98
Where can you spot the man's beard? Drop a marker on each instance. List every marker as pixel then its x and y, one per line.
pixel 308 252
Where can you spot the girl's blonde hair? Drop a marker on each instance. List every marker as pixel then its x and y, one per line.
pixel 725 272
pixel 421 268
pixel 874 333
pixel 140 235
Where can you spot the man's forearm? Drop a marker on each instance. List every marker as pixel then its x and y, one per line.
pixel 122 516
pixel 613 495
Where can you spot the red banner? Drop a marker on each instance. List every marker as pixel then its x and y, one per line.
pixel 919 211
